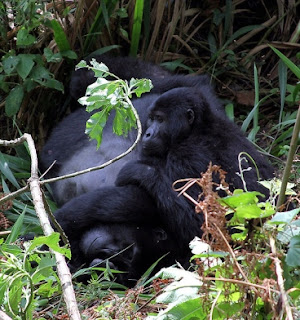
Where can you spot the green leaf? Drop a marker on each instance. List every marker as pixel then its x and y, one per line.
pixel 139 86
pixel 44 268
pixel 188 310
pixel 15 294
pixel 60 36
pixel 53 84
pixel 288 62
pixel 25 65
pixel 289 231
pixel 70 54
pixel 52 57
pixel 103 50
pixel 10 64
pixel 100 69
pixel 284 217
pixel 249 211
pixel 24 39
pixel 44 77
pixel 226 310
pixel 137 25
pixel 240 198
pixel 267 209
pixel 293 255
pixel 98 87
pixel 52 241
pixel 95 125
pixel 123 121
pixel 3 85
pixel 29 85
pixel 15 231
pixel 14 100
pixel 81 64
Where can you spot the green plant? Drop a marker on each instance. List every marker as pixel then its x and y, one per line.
pixel 27 276
pixel 23 68
pixel 15 170
pixel 109 95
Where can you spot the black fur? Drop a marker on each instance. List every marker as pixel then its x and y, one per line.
pixel 70 147
pixel 185 128
pixel 183 135
pixel 129 248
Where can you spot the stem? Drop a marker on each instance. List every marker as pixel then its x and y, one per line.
pixel 280 281
pixel 289 161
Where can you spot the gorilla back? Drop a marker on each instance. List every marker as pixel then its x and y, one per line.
pixel 70 150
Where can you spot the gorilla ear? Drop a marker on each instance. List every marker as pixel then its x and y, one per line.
pixel 160 234
pixel 190 116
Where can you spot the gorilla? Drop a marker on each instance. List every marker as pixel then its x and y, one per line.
pixel 182 136
pixel 185 128
pixel 125 247
pixel 69 148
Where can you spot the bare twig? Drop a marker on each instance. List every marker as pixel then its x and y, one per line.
pixel 280 281
pixel 13 194
pixel 4 316
pixel 34 184
pixel 240 282
pixel 77 173
pixel 232 254
pixel 214 304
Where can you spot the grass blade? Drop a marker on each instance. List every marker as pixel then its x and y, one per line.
pixel 137 25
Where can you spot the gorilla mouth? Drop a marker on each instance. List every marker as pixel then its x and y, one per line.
pixel 152 150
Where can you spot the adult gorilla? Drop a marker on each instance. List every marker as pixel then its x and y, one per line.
pixel 125 247
pixel 183 134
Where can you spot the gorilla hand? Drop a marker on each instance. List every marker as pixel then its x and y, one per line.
pixel 134 172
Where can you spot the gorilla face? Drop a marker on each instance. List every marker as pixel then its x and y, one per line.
pixel 127 248
pixel 110 242
pixel 165 128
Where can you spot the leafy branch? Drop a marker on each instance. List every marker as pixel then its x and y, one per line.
pixel 109 95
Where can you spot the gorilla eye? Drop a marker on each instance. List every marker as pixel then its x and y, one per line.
pixel 159 119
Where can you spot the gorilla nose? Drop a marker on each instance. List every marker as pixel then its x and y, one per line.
pixel 148 134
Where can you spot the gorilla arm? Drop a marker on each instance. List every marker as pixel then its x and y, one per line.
pixel 108 204
pixel 176 213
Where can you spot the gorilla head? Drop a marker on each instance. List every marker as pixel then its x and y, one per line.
pixel 128 248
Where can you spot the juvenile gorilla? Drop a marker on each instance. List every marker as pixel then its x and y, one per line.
pixel 183 134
